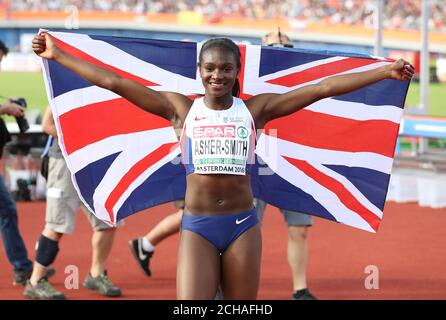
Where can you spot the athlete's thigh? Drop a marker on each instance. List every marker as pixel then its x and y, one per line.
pixel 198 270
pixel 241 266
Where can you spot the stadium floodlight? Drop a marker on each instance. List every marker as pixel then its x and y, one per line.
pixel 378 22
pixel 424 72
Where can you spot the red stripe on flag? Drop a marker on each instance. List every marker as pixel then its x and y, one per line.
pixel 321 71
pixel 241 74
pixel 339 189
pixel 86 57
pixel 324 131
pixel 134 173
pixel 97 121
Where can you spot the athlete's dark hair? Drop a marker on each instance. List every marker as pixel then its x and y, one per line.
pixel 225 44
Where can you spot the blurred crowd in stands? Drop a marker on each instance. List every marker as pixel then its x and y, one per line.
pixel 399 14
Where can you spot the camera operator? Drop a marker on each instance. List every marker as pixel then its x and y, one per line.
pixel 12 240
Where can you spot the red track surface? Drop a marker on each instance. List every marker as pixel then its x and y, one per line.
pixel 409 251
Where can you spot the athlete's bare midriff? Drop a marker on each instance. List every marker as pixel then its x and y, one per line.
pixel 217 194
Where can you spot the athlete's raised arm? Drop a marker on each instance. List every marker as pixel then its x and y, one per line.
pixel 266 107
pixel 165 104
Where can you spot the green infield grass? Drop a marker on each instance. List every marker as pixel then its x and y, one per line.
pixel 437 98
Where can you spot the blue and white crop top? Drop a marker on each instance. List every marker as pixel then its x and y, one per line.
pixel 218 141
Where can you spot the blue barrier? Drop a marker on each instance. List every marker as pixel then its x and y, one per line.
pixel 423 127
pixel 420 127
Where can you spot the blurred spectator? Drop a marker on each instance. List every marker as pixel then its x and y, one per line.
pixel 399 14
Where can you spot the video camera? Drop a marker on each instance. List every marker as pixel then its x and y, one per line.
pixel 22 122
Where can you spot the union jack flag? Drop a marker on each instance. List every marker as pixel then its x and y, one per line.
pixel 332 159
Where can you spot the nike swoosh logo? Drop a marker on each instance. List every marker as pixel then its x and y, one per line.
pixel 237 221
pixel 198 119
pixel 141 254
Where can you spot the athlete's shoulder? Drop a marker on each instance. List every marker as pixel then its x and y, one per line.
pixel 180 103
pixel 256 106
pixel 258 100
pixel 177 98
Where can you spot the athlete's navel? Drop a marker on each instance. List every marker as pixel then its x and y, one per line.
pixel 220 201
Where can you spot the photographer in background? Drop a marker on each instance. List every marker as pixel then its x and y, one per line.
pixel 298 223
pixel 12 240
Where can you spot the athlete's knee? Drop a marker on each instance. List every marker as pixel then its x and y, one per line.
pixel 104 232
pixel 297 232
pixel 47 250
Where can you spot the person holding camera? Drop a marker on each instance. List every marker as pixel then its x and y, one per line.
pixel 12 240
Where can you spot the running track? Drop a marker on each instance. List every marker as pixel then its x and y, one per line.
pixel 409 251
